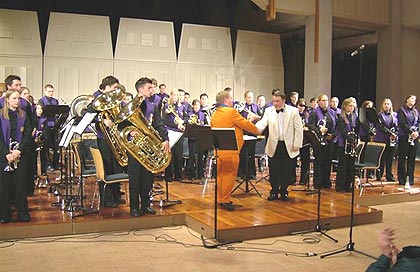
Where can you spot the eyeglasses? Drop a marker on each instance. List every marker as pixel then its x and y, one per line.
pixel 302 105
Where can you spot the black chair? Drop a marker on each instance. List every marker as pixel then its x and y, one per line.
pixel 372 160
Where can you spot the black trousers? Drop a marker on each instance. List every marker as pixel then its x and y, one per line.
pixel 386 162
pixel 247 160
pixel 406 160
pixel 280 169
pixel 345 170
pixel 322 165
pixel 13 187
pixel 195 166
pixel 174 169
pixel 51 142
pixel 111 166
pixel 305 160
pixel 141 181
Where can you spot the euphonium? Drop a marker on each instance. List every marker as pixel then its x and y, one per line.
pixel 145 144
pixel 12 166
pixel 109 105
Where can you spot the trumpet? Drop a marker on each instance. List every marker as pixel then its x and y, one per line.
pixel 12 166
pixel 350 146
pixel 393 137
pixel 322 124
pixel 411 137
pixel 172 110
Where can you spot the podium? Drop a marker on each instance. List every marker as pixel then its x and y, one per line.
pixel 218 139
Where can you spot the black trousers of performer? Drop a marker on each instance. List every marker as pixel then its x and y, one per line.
pixel 280 169
pixel 174 169
pixel 30 175
pixel 141 181
pixel 305 160
pixel 13 187
pixel 111 165
pixel 386 163
pixel 345 170
pixel 43 160
pixel 322 165
pixel 247 153
pixel 51 142
pixel 195 166
pixel 406 160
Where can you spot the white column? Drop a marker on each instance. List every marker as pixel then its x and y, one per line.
pixel 318 74
pixel 389 55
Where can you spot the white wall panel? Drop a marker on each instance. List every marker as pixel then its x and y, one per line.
pixel 74 77
pixel 128 72
pixel 20 48
pixel 205 60
pixel 200 78
pixel 258 63
pixel 78 54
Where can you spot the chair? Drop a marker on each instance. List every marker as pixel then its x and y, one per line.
pixel 82 171
pixel 372 161
pixel 106 179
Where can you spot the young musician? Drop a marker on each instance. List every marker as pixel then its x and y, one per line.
pixel 174 117
pixel 347 128
pixel 386 133
pixel 305 157
pixel 195 167
pixel 15 137
pixel 408 138
pixel 39 137
pixel 140 178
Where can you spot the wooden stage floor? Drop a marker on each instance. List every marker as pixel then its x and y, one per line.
pixel 255 218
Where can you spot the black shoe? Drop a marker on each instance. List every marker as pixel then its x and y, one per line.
pixel 122 193
pixel 390 179
pixel 135 213
pixel 227 206
pixel 273 196
pixel 5 220
pixel 326 186
pixel 24 217
pixel 285 196
pixel 148 210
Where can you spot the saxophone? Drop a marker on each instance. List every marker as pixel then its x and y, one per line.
pixel 145 144
pixel 109 105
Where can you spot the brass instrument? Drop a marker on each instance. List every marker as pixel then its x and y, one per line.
pixel 241 107
pixel 172 110
pixel 109 105
pixel 350 147
pixel 78 105
pixel 393 137
pixel 12 166
pixel 193 119
pixel 208 113
pixel 140 139
pixel 411 138
pixel 322 123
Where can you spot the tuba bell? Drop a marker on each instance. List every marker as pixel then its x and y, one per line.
pixel 109 105
pixel 145 144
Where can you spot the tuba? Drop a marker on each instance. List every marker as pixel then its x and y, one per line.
pixel 145 145
pixel 78 104
pixel 109 105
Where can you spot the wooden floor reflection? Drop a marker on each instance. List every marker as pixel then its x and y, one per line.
pixel 255 217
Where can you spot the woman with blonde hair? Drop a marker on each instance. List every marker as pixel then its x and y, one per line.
pixel 15 138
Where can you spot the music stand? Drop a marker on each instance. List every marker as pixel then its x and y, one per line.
pixel 246 179
pixel 219 139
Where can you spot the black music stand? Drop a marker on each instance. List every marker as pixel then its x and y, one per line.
pixel 219 139
pixel 246 180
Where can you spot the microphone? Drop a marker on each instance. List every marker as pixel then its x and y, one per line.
pixel 355 52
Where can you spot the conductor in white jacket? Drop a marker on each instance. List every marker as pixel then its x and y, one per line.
pixel 283 143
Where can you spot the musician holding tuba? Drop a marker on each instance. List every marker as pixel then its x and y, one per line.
pixel 140 178
pixel 15 139
pixel 112 196
pixel 387 133
pixel 347 128
pixel 174 117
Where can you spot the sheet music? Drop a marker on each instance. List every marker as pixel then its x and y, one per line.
pixel 67 129
pixel 250 138
pixel 174 137
pixel 85 122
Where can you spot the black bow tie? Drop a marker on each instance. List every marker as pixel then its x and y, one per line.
pixel 387 113
pixel 280 110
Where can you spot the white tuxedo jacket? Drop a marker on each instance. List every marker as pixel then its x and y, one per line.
pixel 292 129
